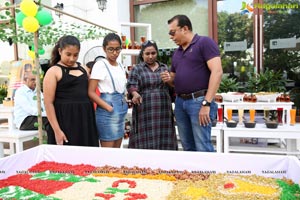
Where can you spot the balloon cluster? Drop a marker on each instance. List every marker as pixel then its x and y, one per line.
pixel 31 18
pixel 31 52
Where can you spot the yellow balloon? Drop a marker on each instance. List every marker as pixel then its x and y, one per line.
pixel 30 24
pixel 31 54
pixel 29 8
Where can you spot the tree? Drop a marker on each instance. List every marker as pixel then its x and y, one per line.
pixel 282 23
pixel 234 27
pixel 277 23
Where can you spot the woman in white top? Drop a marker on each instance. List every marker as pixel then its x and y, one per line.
pixel 110 78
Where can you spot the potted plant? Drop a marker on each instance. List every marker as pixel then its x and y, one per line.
pixel 267 81
pixel 228 85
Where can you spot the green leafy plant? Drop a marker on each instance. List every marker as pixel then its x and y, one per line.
pixel 228 85
pixel 268 81
pixel 48 35
pixel 3 92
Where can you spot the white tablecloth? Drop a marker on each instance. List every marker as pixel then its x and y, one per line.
pixel 265 165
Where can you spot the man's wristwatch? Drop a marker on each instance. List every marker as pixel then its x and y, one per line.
pixel 205 103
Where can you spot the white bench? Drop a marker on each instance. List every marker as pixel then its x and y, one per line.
pixel 15 136
pixel 10 134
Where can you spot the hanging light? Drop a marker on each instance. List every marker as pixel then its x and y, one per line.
pixel 101 4
pixel 59 6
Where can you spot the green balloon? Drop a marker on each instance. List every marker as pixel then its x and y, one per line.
pixel 44 17
pixel 41 51
pixel 19 18
pixel 36 124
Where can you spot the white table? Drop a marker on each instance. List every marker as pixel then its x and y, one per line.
pixel 259 106
pixel 178 160
pixel 260 131
pixel 217 132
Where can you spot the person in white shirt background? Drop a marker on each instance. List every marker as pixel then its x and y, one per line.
pixel 25 104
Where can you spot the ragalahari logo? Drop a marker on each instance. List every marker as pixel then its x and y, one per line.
pixel 274 8
pixel 246 8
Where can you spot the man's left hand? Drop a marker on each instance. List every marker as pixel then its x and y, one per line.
pixel 204 118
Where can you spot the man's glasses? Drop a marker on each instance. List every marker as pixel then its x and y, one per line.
pixel 111 49
pixel 173 32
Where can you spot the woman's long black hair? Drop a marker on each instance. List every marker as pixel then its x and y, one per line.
pixel 62 43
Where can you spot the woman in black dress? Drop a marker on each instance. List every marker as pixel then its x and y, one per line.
pixel 68 107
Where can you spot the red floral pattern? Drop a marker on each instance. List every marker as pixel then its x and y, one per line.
pixel 45 187
pixel 135 196
pixel 105 196
pixel 132 184
pixel 81 170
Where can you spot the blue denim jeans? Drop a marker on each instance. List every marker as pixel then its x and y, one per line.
pixel 111 125
pixel 193 136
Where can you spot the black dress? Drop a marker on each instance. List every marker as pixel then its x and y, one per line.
pixel 74 110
